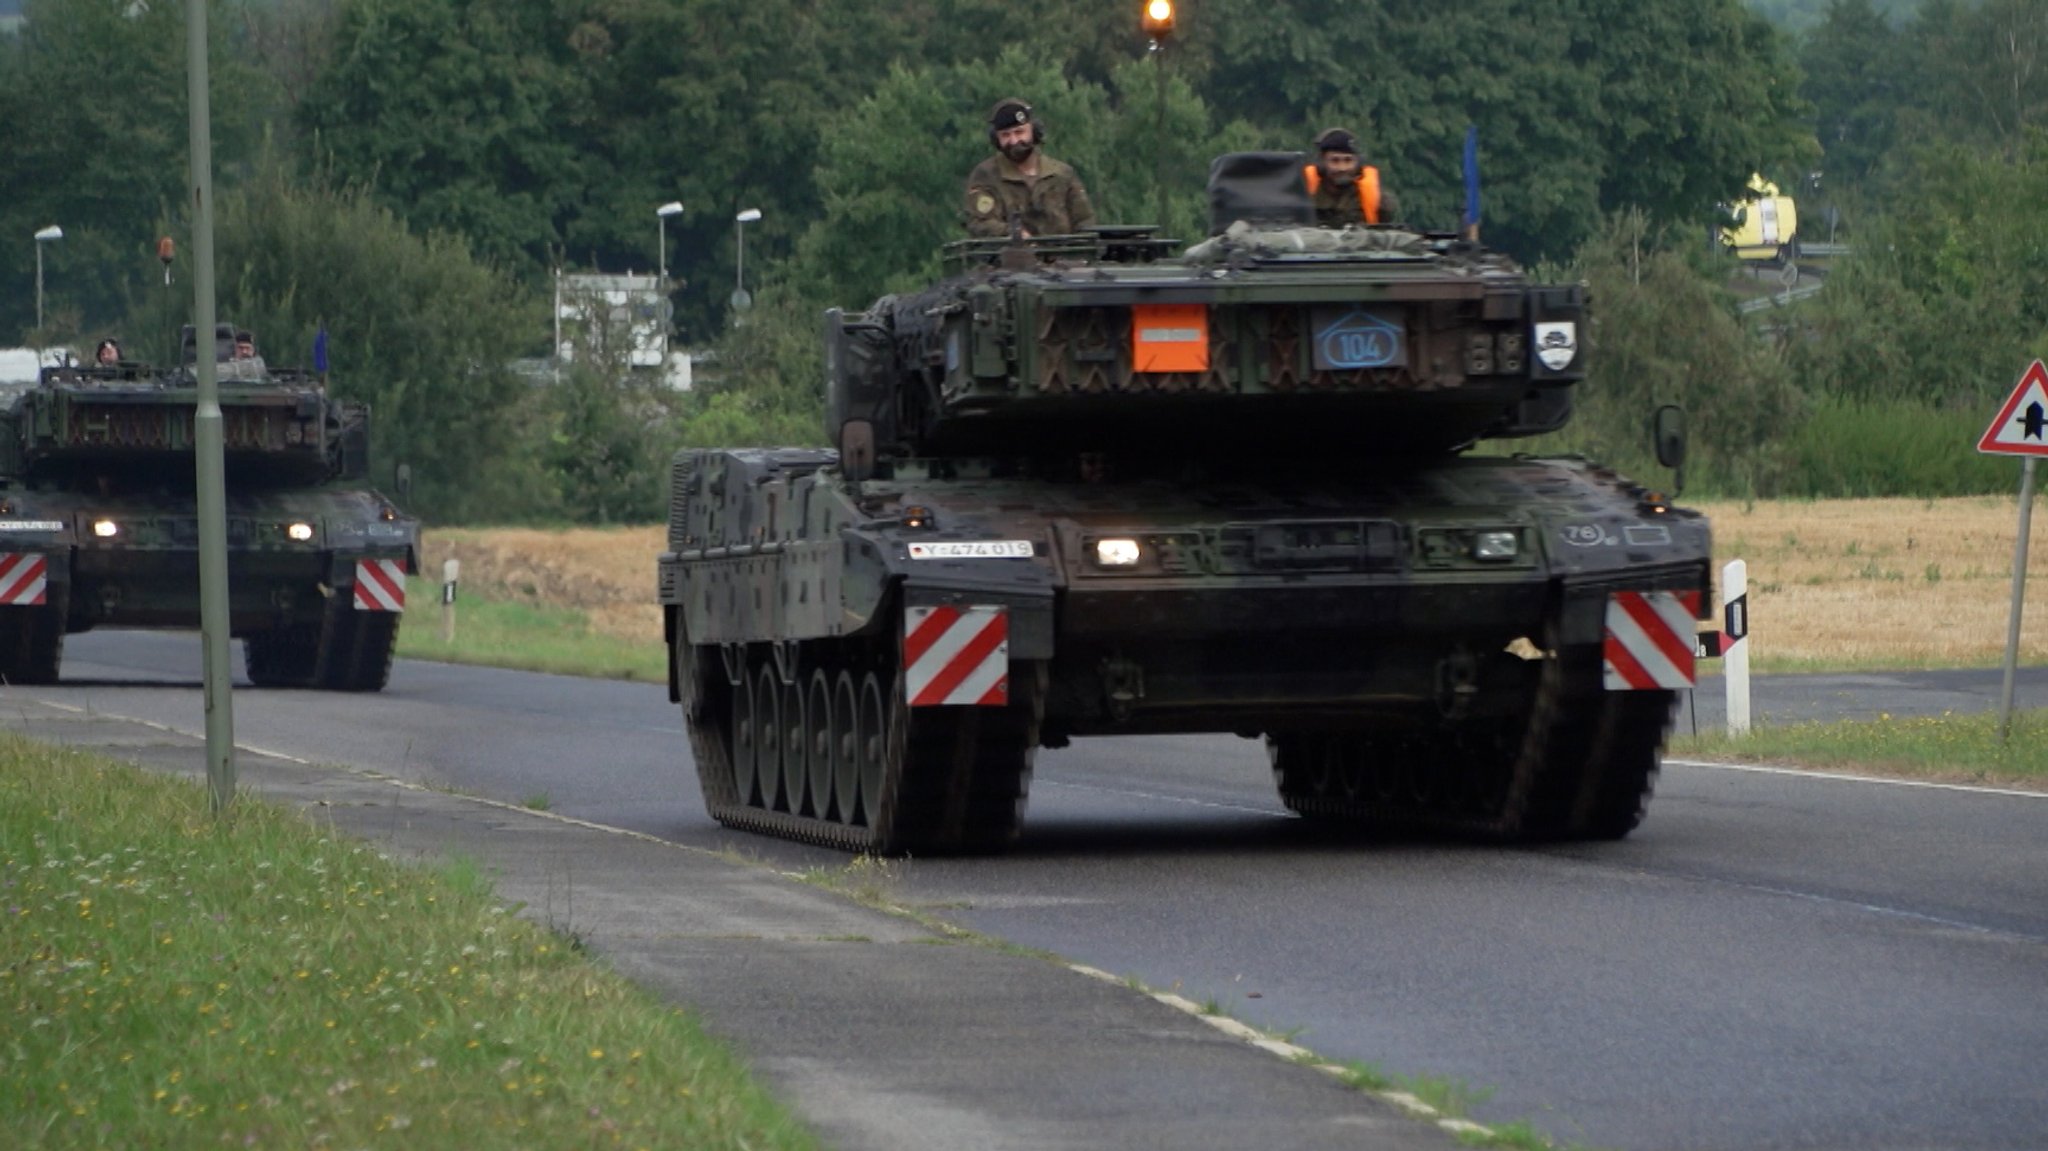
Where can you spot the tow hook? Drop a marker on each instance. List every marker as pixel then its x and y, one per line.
pixel 1123 684
pixel 1457 682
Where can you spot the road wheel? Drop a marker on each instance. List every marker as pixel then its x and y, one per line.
pixel 819 746
pixel 768 741
pixel 796 744
pixel 746 739
pixel 872 737
pixel 846 750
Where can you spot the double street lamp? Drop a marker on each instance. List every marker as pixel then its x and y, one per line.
pixel 53 232
pixel 661 215
pixel 741 301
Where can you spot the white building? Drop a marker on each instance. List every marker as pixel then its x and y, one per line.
pixel 618 319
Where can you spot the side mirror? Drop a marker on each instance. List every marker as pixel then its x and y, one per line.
pixel 857 450
pixel 1667 433
pixel 403 481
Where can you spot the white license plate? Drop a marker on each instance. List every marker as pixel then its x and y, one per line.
pixel 972 550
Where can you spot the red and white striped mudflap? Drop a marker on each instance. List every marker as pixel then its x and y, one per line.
pixel 956 655
pixel 380 585
pixel 1650 642
pixel 24 579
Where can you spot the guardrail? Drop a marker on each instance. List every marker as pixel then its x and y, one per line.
pixel 1780 299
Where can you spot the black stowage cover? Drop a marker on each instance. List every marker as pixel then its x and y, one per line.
pixel 1260 187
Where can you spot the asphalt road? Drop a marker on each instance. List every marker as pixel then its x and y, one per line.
pixel 1772 961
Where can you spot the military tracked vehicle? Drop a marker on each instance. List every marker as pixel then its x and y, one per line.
pixel 99 524
pixel 1087 487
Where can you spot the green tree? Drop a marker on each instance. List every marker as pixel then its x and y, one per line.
pixel 721 104
pixel 1946 296
pixel 1664 330
pixel 1978 70
pixel 465 116
pixel 93 125
pixel 1854 62
pixel 415 326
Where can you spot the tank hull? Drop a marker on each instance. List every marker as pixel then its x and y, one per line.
pixel 1335 607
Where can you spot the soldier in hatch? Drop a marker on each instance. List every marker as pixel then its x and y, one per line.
pixel 1021 183
pixel 1345 190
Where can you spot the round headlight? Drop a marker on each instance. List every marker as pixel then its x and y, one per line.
pixel 301 532
pixel 105 529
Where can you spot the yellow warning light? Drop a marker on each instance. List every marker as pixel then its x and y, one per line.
pixel 1158 18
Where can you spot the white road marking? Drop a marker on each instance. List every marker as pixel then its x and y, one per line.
pixel 1807 773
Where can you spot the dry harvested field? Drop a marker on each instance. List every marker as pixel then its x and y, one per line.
pixel 1832 583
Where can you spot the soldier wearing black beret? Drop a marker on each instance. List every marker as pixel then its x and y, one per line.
pixel 1022 185
pixel 1345 190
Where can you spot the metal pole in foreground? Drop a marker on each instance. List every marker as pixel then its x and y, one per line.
pixel 207 433
pixel 2019 596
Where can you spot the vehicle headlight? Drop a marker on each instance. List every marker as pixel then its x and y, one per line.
pixel 105 529
pixel 1495 546
pixel 300 531
pixel 1116 553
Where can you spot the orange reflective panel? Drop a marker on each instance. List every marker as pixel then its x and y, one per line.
pixel 1170 338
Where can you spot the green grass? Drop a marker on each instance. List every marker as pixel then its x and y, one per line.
pixel 172 980
pixel 529 639
pixel 1947 748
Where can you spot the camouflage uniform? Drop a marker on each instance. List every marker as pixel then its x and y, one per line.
pixel 1052 204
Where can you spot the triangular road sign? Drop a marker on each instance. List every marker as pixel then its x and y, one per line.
pixel 2021 428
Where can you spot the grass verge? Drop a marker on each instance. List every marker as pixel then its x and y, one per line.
pixel 1948 748
pixel 174 980
pixel 530 638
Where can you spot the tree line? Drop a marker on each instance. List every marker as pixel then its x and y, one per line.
pixel 410 174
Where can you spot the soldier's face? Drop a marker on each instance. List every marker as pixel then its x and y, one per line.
pixel 1340 167
pixel 1015 141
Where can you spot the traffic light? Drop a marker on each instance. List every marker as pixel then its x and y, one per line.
pixel 1158 18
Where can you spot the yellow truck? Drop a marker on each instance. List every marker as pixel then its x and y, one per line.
pixel 1763 227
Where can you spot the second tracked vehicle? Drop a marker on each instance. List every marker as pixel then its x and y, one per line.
pixel 1086 486
pixel 99 524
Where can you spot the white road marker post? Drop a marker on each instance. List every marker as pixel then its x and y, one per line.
pixel 450 570
pixel 1735 643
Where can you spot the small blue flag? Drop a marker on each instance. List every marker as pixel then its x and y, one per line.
pixel 320 351
pixel 1471 175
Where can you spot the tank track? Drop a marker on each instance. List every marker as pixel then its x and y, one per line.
pixel 32 642
pixel 348 650
pixel 779 754
pixel 1581 767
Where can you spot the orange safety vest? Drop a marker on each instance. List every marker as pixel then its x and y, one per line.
pixel 1368 188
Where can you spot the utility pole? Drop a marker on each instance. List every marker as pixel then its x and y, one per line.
pixel 215 636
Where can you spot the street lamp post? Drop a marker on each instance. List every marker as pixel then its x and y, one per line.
pixel 53 232
pixel 661 215
pixel 740 300
pixel 1158 21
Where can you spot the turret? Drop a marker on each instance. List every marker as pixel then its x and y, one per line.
pixel 1272 336
pixel 132 420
